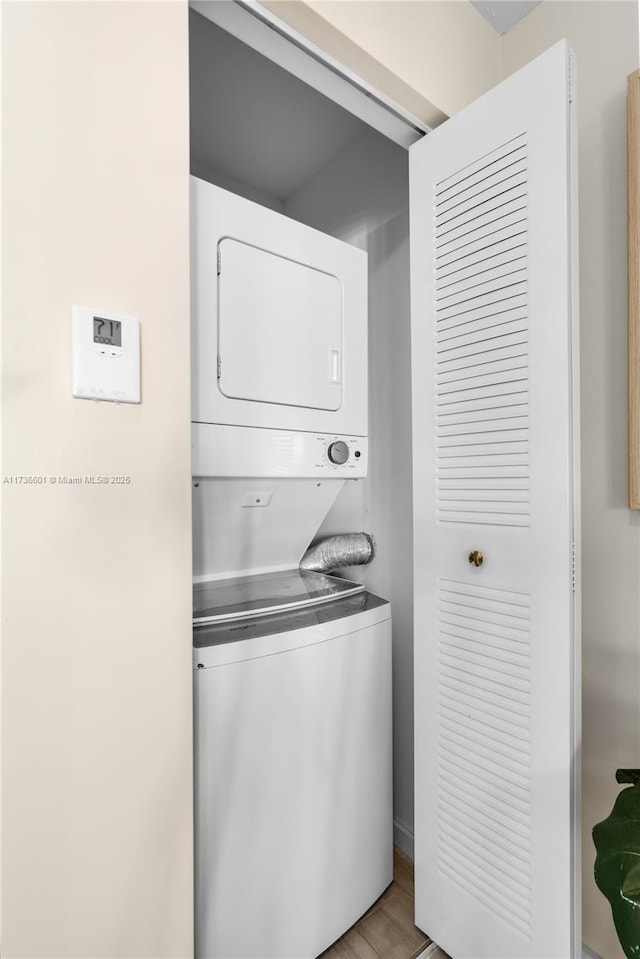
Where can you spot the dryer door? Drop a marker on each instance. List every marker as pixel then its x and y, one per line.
pixel 279 321
pixel 279 329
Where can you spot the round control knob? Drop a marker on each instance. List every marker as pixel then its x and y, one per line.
pixel 338 452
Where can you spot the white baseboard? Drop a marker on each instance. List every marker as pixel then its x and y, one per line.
pixel 588 954
pixel 403 838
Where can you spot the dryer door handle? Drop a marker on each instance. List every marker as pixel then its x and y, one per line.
pixel 335 366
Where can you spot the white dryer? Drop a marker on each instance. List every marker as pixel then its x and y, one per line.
pixel 279 343
pixel 292 684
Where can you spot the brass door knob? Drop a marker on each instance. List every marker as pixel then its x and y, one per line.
pixel 476 558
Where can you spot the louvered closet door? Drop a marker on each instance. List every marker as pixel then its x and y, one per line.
pixel 495 472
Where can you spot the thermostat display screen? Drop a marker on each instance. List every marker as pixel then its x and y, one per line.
pixel 107 331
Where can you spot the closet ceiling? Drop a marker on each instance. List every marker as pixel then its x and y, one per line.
pixel 283 130
pixel 503 14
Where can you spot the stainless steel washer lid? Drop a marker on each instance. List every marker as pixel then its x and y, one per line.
pixel 218 644
pixel 266 594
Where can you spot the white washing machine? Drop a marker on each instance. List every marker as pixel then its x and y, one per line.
pixel 293 786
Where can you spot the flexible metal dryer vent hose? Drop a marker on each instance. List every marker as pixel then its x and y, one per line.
pixel 347 549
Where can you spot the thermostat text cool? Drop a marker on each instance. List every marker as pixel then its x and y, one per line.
pixel 106 356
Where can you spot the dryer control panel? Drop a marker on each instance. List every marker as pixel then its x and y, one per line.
pixel 219 450
pixel 344 452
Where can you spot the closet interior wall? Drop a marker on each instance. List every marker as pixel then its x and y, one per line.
pixel 260 132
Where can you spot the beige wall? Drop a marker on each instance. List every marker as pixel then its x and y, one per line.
pixel 605 38
pixel 430 56
pixel 96 675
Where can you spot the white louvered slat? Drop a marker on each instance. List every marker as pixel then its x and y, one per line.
pixel 502 467
pixel 481 707
pixel 510 269
pixel 482 205
pixel 482 338
pixel 467 398
pixel 455 326
pixel 489 802
pixel 514 751
pixel 478 352
pixel 516 835
pixel 482 166
pixel 516 896
pixel 477 184
pixel 496 637
pixel 486 169
pixel 479 886
pixel 498 758
pixel 479 397
pixel 499 445
pixel 478 224
pixel 459 468
pixel 484 485
pixel 488 373
pixel 502 297
pixel 507 416
pixel 493 256
pixel 451 255
pixel 497 615
pixel 504 862
pixel 476 596
pixel 509 172
pixel 488 318
pixel 492 725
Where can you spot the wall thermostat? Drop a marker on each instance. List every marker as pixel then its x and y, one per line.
pixel 106 356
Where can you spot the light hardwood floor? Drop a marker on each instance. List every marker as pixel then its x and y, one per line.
pixel 387 930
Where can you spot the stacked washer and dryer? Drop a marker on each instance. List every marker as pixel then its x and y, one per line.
pixel 292 669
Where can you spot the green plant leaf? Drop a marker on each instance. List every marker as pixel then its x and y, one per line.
pixel 628 776
pixel 617 866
